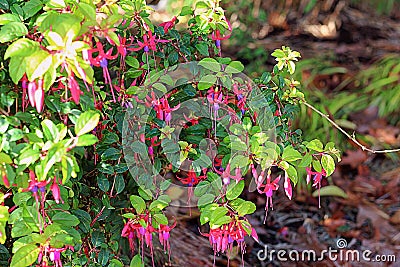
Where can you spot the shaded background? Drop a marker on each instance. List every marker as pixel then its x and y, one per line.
pixel 350 69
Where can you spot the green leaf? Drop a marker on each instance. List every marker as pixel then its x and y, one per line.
pixel 290 154
pixel 31 8
pixel 160 87
pixel 138 203
pixel 315 145
pixel 25 256
pixel 7 18
pixel 305 161
pixel 328 164
pixel 136 261
pixel 87 10
pixel 205 199
pixel 317 165
pixel 15 134
pixel 210 64
pixel 201 188
pixel 86 122
pixel 84 220
pixel 28 157
pixel 206 82
pixel 158 204
pixel 87 140
pixel 234 190
pixel 245 208
pixel 186 10
pixel 17 68
pixel 203 49
pixel 292 173
pixel 37 64
pixel 21 48
pixel 11 31
pixel 111 154
pixel 65 219
pixel 160 218
pixel 97 238
pixel 4 158
pixel 103 183
pixel 330 190
pixel 132 62
pixel 50 130
pixel 119 183
pixel 234 67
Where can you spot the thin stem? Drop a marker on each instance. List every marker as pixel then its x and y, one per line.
pixel 351 137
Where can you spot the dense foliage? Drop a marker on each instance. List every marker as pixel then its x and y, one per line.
pixel 104 112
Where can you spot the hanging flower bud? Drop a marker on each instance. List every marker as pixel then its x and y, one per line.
pixel 55 189
pixel 74 88
pixel 31 93
pixel 39 96
pixel 288 186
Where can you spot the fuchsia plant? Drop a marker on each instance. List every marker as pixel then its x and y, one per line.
pixel 98 108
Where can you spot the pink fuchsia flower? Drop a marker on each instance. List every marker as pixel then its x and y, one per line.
pixel 215 98
pixel 317 180
pixel 241 98
pixel 130 231
pixel 217 37
pixel 161 107
pixel 226 175
pixel 191 180
pixel 149 43
pixel 167 25
pixel 266 188
pixel 222 238
pixel 74 88
pixel 101 60
pixel 163 236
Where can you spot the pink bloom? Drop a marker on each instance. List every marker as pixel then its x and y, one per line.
pixel 74 88
pixel 101 60
pixel 317 180
pixel 149 43
pixel 168 24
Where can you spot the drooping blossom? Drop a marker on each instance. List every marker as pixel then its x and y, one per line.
pixel 74 88
pixel 317 180
pixel 161 107
pixel 164 235
pixel 101 60
pixel 226 174
pixel 222 238
pixel 167 25
pixel 266 188
pixel 149 43
pixel 191 180
pixel 217 37
pixel 241 98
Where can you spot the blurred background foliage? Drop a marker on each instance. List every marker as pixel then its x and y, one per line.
pixel 350 67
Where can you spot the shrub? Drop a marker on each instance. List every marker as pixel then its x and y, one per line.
pixel 100 106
